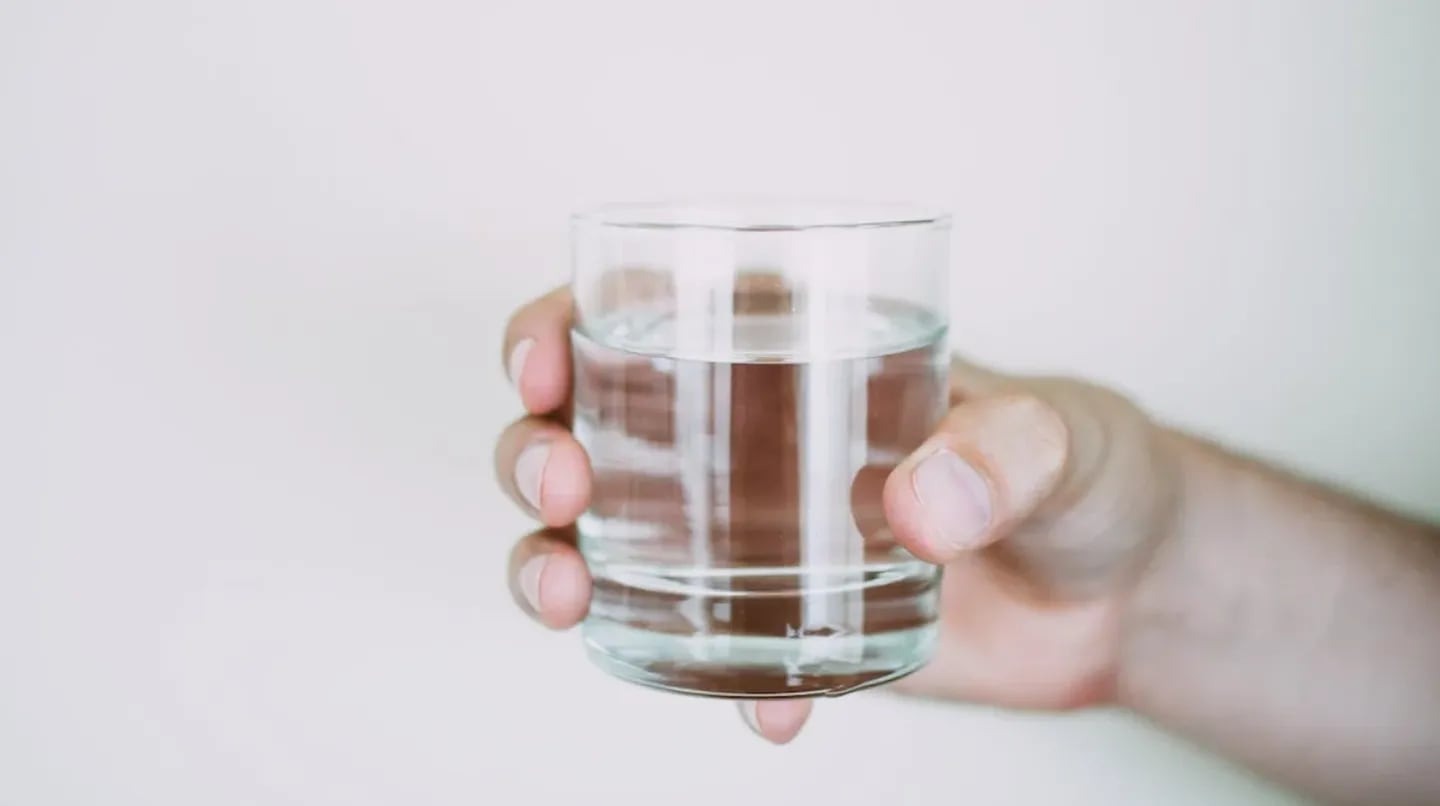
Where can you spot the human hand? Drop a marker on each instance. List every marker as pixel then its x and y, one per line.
pixel 1043 499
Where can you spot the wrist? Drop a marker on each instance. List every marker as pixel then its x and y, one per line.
pixel 1154 612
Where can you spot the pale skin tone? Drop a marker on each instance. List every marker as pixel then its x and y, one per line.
pixel 1094 557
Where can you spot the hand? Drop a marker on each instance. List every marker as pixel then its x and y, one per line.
pixel 1043 498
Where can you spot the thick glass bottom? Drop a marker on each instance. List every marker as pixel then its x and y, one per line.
pixel 751 667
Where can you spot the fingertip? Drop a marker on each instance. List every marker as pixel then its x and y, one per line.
pixel 537 351
pixel 776 721
pixel 906 517
pixel 563 590
pixel 516 360
pixel 566 491
pixel 548 578
pixel 543 378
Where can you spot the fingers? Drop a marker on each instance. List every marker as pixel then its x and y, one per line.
pixel 541 466
pixel 548 579
pixel 544 470
pixel 989 464
pixel 776 721
pixel 537 352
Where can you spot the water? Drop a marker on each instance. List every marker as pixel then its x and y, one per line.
pixel 736 533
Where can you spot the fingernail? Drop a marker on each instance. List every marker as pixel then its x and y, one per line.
pixel 752 718
pixel 954 498
pixel 515 367
pixel 530 471
pixel 530 580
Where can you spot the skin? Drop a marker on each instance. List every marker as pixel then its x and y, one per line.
pixel 1094 557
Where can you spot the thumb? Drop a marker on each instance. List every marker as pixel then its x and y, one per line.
pixel 991 462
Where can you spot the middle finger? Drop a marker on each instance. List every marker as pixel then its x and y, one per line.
pixel 544 470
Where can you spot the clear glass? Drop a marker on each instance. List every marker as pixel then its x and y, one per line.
pixel 746 376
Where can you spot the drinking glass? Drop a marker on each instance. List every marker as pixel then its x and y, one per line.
pixel 747 374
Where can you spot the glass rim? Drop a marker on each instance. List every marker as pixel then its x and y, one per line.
pixel 760 215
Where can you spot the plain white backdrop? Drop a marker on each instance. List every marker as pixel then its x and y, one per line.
pixel 255 259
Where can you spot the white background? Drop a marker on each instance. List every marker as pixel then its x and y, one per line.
pixel 255 259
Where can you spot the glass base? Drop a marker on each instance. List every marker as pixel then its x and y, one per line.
pixel 750 667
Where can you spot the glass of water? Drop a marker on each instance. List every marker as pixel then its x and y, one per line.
pixel 746 376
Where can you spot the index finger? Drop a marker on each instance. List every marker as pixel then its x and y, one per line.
pixel 537 351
